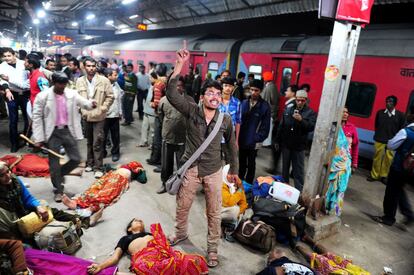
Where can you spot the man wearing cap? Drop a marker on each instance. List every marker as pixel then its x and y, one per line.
pixel 271 96
pixel 56 121
pixel 254 128
pixel 388 122
pixel 230 105
pixel 297 121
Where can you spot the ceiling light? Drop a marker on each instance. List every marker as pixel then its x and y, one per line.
pixel 126 2
pixel 26 34
pixel 36 21
pixel 90 16
pixel 53 32
pixel 75 24
pixel 133 16
pixel 88 37
pixel 41 13
pixel 122 26
pixel 74 43
pixel 47 4
pixel 48 35
pixel 109 22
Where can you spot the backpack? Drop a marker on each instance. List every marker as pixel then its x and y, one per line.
pixel 257 235
pixel 61 237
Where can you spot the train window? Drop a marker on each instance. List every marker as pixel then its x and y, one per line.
pixel 130 61
pixel 256 70
pixel 410 106
pixel 139 62
pixel 360 99
pixel 286 79
pixel 213 68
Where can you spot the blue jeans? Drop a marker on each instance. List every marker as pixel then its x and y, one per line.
pixel 20 101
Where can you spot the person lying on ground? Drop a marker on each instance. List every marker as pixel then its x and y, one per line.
pixel 16 202
pixel 14 250
pixel 151 253
pixel 279 264
pixel 107 189
pixel 325 262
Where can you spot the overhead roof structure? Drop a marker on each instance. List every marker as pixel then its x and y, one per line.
pixel 68 17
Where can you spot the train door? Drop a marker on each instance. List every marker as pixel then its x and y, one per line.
pixel 286 72
pixel 198 63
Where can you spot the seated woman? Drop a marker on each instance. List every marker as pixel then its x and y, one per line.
pixel 151 253
pixel 234 204
pixel 107 189
pixel 14 250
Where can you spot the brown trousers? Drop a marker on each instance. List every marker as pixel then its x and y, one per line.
pixel 14 249
pixel 185 197
pixel 94 132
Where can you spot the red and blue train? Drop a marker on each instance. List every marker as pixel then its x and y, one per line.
pixel 384 65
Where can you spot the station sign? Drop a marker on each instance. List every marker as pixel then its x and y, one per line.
pixel 62 38
pixel 348 10
pixel 142 27
pixel 117 52
pixel 354 10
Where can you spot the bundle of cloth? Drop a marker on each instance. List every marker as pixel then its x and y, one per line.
pixel 27 165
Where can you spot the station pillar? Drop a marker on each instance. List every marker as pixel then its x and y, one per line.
pixel 338 73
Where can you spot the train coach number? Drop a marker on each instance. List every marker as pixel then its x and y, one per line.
pixel 406 72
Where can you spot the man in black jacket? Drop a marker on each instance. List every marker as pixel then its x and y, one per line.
pixel 297 121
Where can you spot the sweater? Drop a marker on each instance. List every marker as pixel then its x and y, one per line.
pixel 386 127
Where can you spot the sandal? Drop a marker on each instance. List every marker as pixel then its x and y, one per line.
pixel 212 260
pixel 380 219
pixel 174 240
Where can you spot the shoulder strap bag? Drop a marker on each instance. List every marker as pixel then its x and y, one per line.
pixel 174 182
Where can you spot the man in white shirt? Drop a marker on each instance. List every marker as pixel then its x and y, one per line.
pixel 15 82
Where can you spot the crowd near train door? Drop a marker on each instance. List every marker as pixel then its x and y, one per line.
pixel 286 72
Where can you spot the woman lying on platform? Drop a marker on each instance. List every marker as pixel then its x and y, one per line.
pixel 151 253
pixel 106 190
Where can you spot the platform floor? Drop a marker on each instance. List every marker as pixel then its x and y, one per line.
pixel 367 243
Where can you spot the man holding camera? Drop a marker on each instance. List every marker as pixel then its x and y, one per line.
pixel 297 122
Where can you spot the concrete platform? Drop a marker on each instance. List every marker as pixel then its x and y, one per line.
pixel 367 243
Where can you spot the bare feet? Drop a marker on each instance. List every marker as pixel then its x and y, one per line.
pixel 71 204
pixel 96 217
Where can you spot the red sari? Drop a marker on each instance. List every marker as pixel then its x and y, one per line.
pixel 103 191
pixel 159 258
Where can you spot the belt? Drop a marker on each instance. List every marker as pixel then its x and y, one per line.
pixel 60 127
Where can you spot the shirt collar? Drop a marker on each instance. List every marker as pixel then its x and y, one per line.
pixel 390 113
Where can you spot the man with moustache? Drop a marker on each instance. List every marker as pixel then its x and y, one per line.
pixel 206 170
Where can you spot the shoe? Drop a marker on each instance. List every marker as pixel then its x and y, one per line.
pixel 151 162
pixel 105 154
pixel 58 197
pixel 382 220
pixel 371 179
pixel 157 170
pixel 115 157
pixel 98 174
pixel 384 180
pixel 14 148
pixel 162 190
pixel 126 123
pixel 88 169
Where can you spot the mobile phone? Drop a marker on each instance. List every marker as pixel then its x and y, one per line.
pixel 296 111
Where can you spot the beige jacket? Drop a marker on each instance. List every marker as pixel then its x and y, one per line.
pixel 103 96
pixel 44 114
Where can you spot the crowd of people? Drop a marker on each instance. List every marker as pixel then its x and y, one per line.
pixel 63 99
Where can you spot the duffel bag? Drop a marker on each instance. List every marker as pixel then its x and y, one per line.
pixel 257 235
pixel 274 208
pixel 60 237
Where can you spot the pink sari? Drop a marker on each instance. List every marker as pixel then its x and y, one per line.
pixel 48 263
